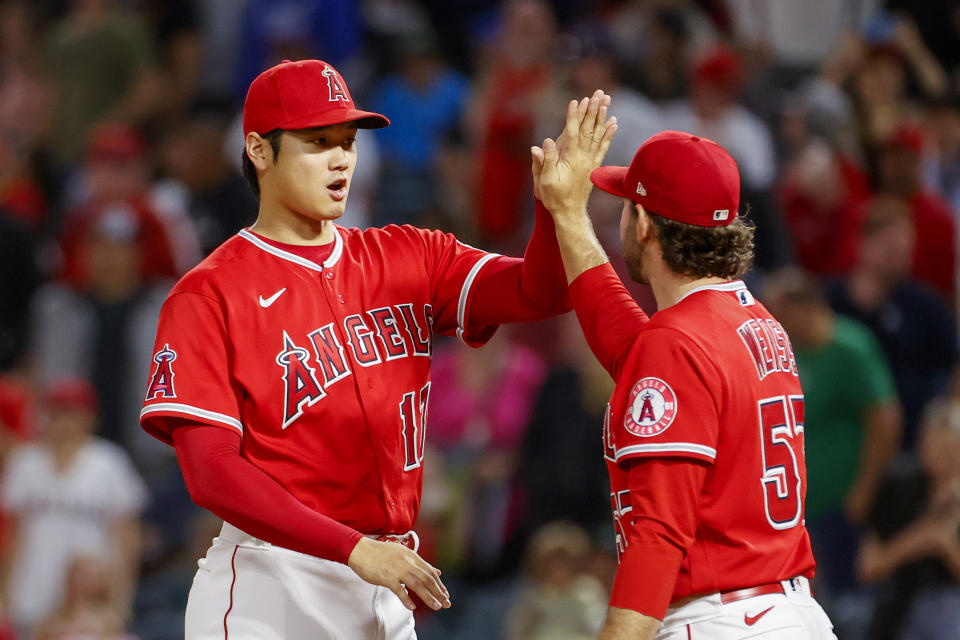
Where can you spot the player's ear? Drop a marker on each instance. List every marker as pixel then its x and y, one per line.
pixel 644 224
pixel 258 150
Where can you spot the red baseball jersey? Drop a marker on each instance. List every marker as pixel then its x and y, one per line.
pixel 713 379
pixel 323 368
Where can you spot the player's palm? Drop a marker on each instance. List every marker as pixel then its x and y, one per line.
pixel 392 565
pixel 561 169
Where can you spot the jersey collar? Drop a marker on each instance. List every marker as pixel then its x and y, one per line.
pixel 303 262
pixel 733 285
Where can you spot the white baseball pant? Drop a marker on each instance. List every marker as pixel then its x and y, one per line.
pixel 248 589
pixel 791 615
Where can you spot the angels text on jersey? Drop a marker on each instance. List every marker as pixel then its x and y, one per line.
pixel 309 364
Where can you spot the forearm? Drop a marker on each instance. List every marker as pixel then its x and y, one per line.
pixel 237 491
pixel 126 535
pixel 880 444
pixel 877 560
pixel 624 624
pixel 579 247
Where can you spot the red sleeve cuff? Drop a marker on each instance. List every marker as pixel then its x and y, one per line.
pixel 646 577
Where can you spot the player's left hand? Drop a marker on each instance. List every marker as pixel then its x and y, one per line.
pixel 392 565
pixel 561 168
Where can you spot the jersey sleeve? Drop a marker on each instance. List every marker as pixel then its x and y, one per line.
pixel 453 269
pixel 190 373
pixel 671 407
pixel 608 314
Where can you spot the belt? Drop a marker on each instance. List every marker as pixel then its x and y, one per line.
pixel 727 597
pixel 410 539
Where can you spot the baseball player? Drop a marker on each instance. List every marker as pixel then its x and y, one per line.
pixel 703 435
pixel 292 375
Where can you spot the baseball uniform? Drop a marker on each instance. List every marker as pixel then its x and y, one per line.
pixel 703 436
pixel 294 382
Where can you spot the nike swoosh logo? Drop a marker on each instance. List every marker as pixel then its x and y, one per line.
pixel 752 620
pixel 269 301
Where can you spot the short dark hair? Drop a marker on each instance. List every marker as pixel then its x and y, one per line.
pixel 703 252
pixel 249 171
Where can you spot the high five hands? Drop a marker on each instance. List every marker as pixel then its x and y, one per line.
pixel 561 169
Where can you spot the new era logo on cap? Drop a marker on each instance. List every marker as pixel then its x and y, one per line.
pixel 721 214
pixel 640 189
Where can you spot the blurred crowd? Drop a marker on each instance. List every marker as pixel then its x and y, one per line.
pixel 120 147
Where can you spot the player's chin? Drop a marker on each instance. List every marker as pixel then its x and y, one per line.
pixel 330 209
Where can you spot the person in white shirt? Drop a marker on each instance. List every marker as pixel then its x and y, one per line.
pixel 67 494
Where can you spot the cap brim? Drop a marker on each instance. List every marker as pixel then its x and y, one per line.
pixel 610 179
pixel 364 119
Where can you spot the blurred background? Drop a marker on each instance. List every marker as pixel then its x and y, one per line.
pixel 120 146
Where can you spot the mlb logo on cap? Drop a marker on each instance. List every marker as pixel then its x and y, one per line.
pixel 678 176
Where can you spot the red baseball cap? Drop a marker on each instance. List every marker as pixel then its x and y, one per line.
pixel 300 95
pixel 72 393
pixel 678 176
pixel 906 137
pixel 113 142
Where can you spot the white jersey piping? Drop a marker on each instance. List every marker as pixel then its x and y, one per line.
pixel 735 285
pixel 465 293
pixel 176 407
pixel 291 257
pixel 668 447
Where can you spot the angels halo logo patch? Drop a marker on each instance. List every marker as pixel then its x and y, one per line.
pixel 653 406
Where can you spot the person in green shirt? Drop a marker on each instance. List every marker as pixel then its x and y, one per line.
pixel 101 62
pixel 852 423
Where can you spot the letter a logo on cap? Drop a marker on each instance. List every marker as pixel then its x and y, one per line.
pixel 337 92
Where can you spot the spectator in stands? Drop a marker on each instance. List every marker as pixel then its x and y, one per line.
pixel 913 325
pixel 513 88
pixel 716 82
pixel 913 536
pixel 561 601
pixel 899 176
pixel 91 607
pixel 175 27
pixel 891 55
pixel 562 475
pixel 101 329
pixel 654 42
pixel 117 171
pixel 70 492
pixel 26 105
pixel 102 63
pixel 593 64
pixel 273 31
pixel 852 419
pixel 941 163
pixel 822 196
pixel 19 279
pixel 480 405
pixel 424 100
pixel 200 176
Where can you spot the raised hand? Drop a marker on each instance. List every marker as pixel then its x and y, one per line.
pixel 397 568
pixel 561 169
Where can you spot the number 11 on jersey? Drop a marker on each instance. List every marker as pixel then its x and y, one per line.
pixel 413 415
